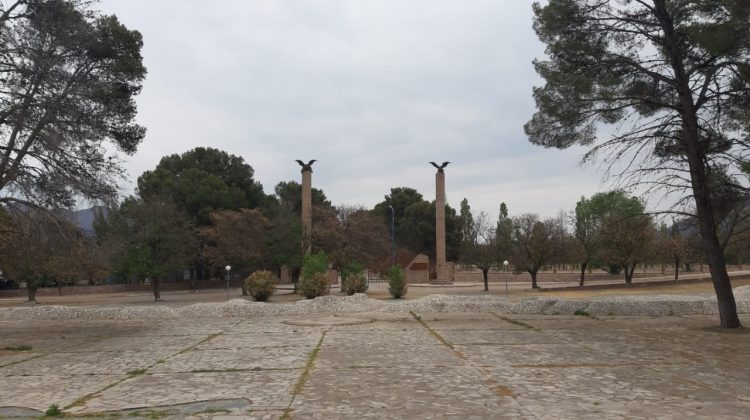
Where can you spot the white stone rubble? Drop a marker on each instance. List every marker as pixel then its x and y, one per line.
pixel 649 305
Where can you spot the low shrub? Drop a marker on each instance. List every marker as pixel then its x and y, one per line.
pixel 353 279
pixel 261 285
pixel 313 264
pixel 314 286
pixel 351 268
pixel 53 411
pixel 396 282
pixel 354 283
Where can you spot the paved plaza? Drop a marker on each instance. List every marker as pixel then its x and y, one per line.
pixel 377 365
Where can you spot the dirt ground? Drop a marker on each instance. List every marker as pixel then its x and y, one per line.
pixel 377 291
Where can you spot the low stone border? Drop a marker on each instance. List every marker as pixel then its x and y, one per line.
pixel 649 305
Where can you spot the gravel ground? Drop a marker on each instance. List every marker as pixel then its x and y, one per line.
pixel 652 305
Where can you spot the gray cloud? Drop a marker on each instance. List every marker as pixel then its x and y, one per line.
pixel 372 89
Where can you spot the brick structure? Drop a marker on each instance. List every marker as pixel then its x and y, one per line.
pixel 306 205
pixel 444 274
pixel 418 270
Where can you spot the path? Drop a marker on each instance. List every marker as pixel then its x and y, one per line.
pixel 403 365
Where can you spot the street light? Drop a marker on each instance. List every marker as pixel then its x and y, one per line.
pixel 228 268
pixel 393 236
pixel 505 267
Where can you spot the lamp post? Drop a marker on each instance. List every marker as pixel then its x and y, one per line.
pixel 505 267
pixel 393 236
pixel 228 268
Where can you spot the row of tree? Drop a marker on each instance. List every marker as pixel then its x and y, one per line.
pixel 201 210
pixel 609 231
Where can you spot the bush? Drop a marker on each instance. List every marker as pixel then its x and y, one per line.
pixel 53 411
pixel 261 285
pixel 314 286
pixel 614 269
pixel 353 279
pixel 351 268
pixel 313 264
pixel 396 282
pixel 354 283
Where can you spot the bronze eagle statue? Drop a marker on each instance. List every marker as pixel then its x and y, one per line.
pixel 439 168
pixel 306 167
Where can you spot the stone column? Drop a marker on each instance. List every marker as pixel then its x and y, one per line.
pixel 307 209
pixel 442 273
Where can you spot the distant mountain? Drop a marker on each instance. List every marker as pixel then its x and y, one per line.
pixel 84 219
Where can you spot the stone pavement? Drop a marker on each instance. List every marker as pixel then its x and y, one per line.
pixel 427 365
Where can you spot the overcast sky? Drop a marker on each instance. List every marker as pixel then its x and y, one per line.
pixel 372 89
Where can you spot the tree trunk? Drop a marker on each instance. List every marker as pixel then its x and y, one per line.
pixel 155 284
pixel 695 153
pixel 484 275
pixel 629 273
pixel 32 293
pixel 583 272
pixel 533 279
pixel 676 268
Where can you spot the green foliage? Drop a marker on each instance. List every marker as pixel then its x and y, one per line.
pixel 504 231
pixel 614 269
pixel 614 204
pixel 72 74
pixel 314 281
pixel 581 312
pixel 202 180
pixel 397 286
pixel 354 283
pixel 53 411
pixel 468 229
pixel 289 197
pixel 283 241
pixel 261 285
pixel 672 80
pixel 351 268
pixel 314 285
pixel 415 222
pixel 314 264
pixel 154 238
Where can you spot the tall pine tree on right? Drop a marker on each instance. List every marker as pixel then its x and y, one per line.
pixel 659 90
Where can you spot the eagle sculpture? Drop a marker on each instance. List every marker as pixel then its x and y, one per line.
pixel 440 168
pixel 306 167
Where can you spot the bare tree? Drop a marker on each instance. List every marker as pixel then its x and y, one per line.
pixel 482 250
pixel 236 238
pixel 627 241
pixel 535 243
pixel 36 248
